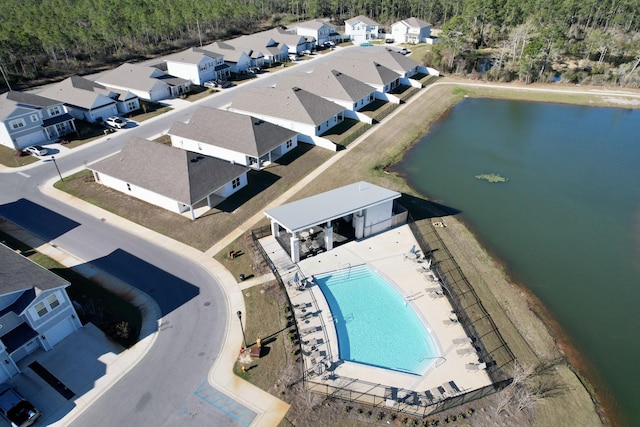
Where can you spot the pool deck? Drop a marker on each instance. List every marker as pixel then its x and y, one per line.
pixel 389 255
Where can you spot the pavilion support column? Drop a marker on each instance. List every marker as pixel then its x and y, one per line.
pixel 295 248
pixel 275 229
pixel 209 201
pixel 358 224
pixel 193 215
pixel 328 236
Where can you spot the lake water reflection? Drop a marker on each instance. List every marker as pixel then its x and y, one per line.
pixel 567 221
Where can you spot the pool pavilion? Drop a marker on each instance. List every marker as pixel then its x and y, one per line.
pixel 319 223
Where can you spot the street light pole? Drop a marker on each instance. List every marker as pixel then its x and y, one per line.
pixel 244 338
pixel 58 169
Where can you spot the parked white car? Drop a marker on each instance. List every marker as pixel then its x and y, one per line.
pixel 116 122
pixel 36 150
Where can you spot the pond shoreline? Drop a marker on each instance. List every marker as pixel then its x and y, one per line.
pixel 582 368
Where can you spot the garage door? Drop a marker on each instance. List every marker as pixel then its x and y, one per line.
pixel 59 331
pixel 32 138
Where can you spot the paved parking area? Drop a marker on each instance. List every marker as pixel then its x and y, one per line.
pixel 81 363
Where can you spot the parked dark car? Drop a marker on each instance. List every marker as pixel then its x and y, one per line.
pixel 15 408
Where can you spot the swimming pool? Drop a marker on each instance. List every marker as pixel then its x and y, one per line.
pixel 374 324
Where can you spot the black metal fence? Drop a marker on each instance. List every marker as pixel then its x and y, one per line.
pixel 490 345
pixel 472 315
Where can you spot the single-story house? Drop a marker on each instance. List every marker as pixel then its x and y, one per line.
pixel 319 29
pixel 35 310
pixel 198 65
pixel 390 58
pixel 27 119
pixel 361 29
pixel 411 30
pixel 148 83
pixel 366 70
pixel 296 44
pixel 237 59
pixel 165 176
pixel 91 101
pixel 363 208
pixel 251 142
pixel 334 86
pixel 293 108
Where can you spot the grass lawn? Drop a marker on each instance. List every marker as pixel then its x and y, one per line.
pixel 269 324
pixel 205 231
pixel 148 110
pixel 107 311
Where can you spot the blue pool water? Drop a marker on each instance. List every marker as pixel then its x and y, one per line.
pixel 373 323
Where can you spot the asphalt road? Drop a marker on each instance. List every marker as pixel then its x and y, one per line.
pixel 165 388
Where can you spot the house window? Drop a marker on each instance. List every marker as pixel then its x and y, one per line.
pixel 54 111
pixel 61 127
pixel 41 309
pixel 289 143
pixel 131 105
pixel 34 118
pixel 16 124
pixel 53 301
pixel 235 183
pixel 129 187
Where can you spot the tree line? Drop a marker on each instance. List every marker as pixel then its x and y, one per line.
pixel 590 40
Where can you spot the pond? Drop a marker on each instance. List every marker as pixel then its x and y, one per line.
pixel 552 191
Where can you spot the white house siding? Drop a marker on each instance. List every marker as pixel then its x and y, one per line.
pixel 209 150
pixel 60 330
pixel 94 115
pixel 140 193
pixel 227 190
pixel 5 139
pixel 30 138
pixel 378 218
pixel 61 320
pixel 285 123
pixel 128 106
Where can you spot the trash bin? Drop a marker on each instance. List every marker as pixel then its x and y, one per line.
pixel 242 277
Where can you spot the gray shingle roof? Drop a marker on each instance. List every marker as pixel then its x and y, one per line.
pixel 12 100
pixel 18 273
pixel 290 103
pixel 416 23
pixel 135 76
pixel 178 174
pixel 323 207
pixel 390 58
pixel 329 84
pixel 365 70
pixel 193 55
pixel 249 135
pixel 79 92
pixel 361 18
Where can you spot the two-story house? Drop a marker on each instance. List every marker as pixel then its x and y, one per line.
pixel 361 29
pixel 411 30
pixel 319 29
pixel 35 310
pixel 27 119
pixel 198 65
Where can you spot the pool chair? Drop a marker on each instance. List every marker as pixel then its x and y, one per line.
pixel 438 394
pixel 450 388
pixel 465 340
pixel 411 398
pixel 465 351
pixel 310 330
pixel 391 395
